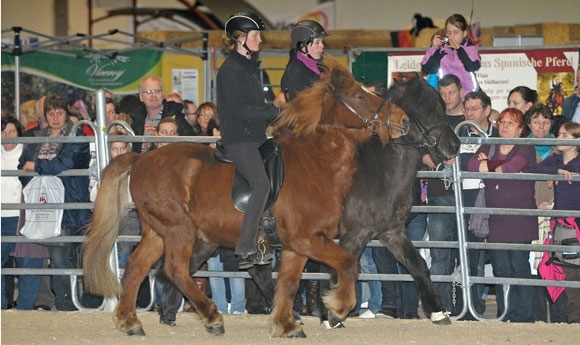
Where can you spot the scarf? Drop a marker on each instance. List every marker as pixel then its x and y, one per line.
pixel 308 62
pixel 543 150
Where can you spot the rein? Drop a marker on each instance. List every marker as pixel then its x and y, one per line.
pixel 348 102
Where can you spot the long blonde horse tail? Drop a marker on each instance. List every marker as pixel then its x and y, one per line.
pixel 102 231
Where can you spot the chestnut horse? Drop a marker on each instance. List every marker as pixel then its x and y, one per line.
pixel 555 99
pixel 318 132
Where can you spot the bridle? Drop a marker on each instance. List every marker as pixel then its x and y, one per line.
pixel 429 140
pixel 350 103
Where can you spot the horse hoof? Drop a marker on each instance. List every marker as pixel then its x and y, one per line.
pixel 216 329
pixel 171 323
pixel 333 321
pixel 136 331
pixel 328 325
pixel 440 318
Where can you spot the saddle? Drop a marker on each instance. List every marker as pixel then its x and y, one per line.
pixel 274 164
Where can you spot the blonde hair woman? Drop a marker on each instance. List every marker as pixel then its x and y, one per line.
pixel 28 114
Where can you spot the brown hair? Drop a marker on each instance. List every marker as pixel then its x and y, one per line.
pixel 54 102
pixel 458 21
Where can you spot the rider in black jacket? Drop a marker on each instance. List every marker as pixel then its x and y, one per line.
pixel 244 116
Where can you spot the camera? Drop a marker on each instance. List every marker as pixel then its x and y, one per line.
pixel 445 40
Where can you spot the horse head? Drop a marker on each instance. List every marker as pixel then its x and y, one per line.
pixel 338 100
pixel 429 127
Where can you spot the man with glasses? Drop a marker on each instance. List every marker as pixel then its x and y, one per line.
pixel 153 108
pixel 477 108
pixel 190 112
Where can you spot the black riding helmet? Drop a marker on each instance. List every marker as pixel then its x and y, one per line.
pixel 244 22
pixel 305 31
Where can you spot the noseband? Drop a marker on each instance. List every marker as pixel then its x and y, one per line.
pixel 350 103
pixel 428 139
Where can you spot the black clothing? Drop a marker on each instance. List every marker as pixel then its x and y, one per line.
pixel 242 110
pixel 169 108
pixel 297 77
pixel 244 116
pixel 248 162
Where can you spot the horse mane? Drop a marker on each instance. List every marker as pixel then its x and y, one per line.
pixel 415 96
pixel 304 113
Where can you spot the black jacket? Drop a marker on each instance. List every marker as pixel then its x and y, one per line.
pixel 242 108
pixel 297 77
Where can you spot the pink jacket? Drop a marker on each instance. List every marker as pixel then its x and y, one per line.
pixel 551 271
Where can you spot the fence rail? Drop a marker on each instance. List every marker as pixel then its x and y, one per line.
pixel 458 176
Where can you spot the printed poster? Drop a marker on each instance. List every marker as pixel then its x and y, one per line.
pixel 549 71
pixel 186 81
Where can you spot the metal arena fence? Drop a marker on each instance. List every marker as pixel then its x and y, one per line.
pixel 101 140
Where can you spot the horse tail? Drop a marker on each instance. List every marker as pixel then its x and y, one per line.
pixel 102 231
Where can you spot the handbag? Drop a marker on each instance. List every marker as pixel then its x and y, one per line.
pixel 41 224
pixel 479 223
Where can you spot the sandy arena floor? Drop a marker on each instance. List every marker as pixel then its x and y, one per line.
pixel 63 328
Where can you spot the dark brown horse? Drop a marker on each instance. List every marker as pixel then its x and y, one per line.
pixel 319 134
pixel 380 201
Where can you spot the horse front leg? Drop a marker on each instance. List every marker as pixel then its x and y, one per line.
pixel 262 276
pixel 141 260
pixel 354 243
pixel 341 297
pixel 405 253
pixel 170 298
pixel 289 274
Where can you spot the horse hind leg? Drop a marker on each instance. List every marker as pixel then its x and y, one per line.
pixel 405 253
pixel 141 260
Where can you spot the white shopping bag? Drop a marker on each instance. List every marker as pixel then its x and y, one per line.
pixel 43 223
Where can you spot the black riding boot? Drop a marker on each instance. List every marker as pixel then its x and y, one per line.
pixel 313 299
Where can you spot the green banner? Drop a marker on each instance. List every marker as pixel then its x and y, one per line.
pixel 121 74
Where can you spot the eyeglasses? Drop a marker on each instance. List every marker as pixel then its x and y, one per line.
pixel 507 123
pixel 474 109
pixel 152 92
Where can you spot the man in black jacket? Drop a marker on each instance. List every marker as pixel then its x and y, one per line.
pixel 153 108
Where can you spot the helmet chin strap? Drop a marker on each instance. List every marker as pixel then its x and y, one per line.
pixel 304 50
pixel 248 51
